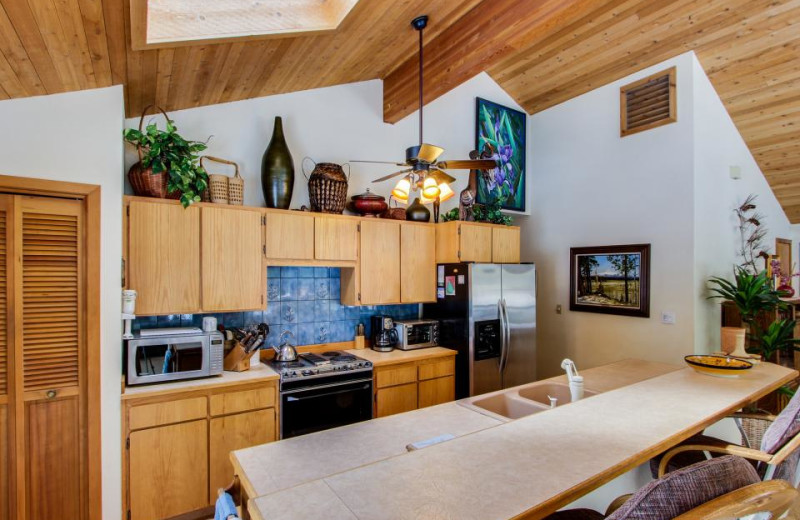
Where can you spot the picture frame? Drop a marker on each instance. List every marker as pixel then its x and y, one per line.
pixel 610 280
pixel 504 129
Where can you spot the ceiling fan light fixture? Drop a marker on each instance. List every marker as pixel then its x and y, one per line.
pixel 445 192
pixel 402 189
pixel 430 188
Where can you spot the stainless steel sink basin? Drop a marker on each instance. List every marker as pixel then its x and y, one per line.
pixel 542 392
pixel 508 405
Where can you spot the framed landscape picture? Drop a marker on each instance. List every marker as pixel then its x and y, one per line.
pixel 610 279
pixel 501 130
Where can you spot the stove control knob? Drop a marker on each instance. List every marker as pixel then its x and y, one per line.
pixel 368 364
pixel 307 372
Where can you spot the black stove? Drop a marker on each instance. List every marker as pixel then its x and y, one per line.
pixel 312 366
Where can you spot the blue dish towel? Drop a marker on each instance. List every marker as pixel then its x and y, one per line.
pixel 225 508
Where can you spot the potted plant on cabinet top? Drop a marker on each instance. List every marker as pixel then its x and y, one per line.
pixel 167 166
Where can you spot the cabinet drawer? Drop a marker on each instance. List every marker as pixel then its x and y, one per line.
pixel 234 402
pixel 396 375
pixel 438 368
pixel 397 399
pixel 156 414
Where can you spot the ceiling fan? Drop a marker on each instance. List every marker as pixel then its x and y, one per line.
pixel 424 170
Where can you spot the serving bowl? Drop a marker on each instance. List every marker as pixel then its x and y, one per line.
pixel 720 366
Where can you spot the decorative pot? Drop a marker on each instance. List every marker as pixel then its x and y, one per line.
pixel 145 183
pixel 277 170
pixel 732 341
pixel 417 212
pixel 369 204
pixel 786 289
pixel 327 187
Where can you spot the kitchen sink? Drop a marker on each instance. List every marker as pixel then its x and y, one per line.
pixel 540 393
pixel 508 405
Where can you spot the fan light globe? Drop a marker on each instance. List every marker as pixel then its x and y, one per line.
pixel 445 192
pixel 430 190
pixel 402 188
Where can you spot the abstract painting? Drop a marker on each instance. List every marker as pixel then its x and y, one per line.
pixel 501 130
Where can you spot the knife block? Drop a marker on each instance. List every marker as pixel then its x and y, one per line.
pixel 236 359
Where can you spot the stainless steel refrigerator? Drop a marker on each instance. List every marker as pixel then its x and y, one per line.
pixel 487 312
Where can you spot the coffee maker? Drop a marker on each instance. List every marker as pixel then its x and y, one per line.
pixel 384 337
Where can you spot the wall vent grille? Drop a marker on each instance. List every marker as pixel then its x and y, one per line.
pixel 648 103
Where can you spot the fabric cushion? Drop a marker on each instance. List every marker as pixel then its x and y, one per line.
pixel 785 426
pixel 684 489
pixel 576 514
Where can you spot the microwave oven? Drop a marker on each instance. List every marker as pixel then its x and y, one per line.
pixel 156 357
pixel 413 334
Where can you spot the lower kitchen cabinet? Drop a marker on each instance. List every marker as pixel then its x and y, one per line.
pixel 437 391
pixel 179 444
pixel 235 432
pixel 168 470
pixel 395 399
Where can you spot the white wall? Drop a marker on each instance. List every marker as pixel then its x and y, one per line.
pixel 590 188
pixel 76 137
pixel 718 146
pixel 334 124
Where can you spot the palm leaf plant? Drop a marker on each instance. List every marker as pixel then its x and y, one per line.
pixel 752 294
pixel 778 338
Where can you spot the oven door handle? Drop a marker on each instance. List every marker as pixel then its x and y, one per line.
pixel 332 385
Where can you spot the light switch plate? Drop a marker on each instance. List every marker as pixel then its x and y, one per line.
pixel 558 309
pixel 668 317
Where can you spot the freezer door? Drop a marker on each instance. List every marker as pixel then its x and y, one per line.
pixel 519 301
pixel 485 296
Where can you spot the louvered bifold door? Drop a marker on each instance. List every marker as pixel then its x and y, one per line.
pixel 48 298
pixel 5 439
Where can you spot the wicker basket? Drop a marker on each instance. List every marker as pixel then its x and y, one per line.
pixel 144 182
pixel 327 187
pixel 396 212
pixel 223 189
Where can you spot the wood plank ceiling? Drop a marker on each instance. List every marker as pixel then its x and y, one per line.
pixel 543 52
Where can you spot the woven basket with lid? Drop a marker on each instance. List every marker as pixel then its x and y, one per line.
pixel 327 187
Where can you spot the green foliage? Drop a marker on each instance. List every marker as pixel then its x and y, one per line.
pixel 751 293
pixel 450 215
pixel 167 151
pixel 490 213
pixel 778 338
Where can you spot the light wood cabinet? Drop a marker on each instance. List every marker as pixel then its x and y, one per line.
pixel 169 470
pixel 476 242
pixel 235 432
pixel 505 245
pixel 290 236
pixel 417 263
pixel 164 257
pixel 234 273
pixel 379 270
pixel 335 239
pixel 417 384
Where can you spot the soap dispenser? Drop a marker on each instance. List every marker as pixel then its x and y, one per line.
pixel 575 380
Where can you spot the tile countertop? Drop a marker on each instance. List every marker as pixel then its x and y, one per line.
pixel 274 467
pixel 401 356
pixel 530 466
pixel 257 373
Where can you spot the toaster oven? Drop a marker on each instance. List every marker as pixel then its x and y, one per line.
pixel 413 334
pixel 163 355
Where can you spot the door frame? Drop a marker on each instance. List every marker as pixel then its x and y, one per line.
pixel 89 194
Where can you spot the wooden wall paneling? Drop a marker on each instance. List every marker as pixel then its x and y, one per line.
pixel 14 51
pixel 115 16
pixel 21 16
pixel 164 76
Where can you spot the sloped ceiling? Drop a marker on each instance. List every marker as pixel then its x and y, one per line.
pixel 542 52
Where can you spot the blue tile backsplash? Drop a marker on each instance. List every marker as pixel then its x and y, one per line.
pixel 303 300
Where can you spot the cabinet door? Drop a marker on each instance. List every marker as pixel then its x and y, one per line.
pixel 236 432
pixel 168 470
pixel 418 263
pixel 437 391
pixel 164 257
pixel 290 236
pixel 505 245
pixel 4 467
pixel 335 239
pixel 234 277
pixel 396 399
pixel 380 262
pixel 476 243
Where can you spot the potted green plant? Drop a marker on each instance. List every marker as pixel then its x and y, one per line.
pixel 168 164
pixel 752 294
pixel 777 339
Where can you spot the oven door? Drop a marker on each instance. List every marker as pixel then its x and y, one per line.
pixel 167 359
pixel 324 406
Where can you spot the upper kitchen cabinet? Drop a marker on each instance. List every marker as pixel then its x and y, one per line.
pixel 417 262
pixel 476 242
pixel 290 237
pixel 335 239
pixel 234 273
pixel 163 257
pixel 376 279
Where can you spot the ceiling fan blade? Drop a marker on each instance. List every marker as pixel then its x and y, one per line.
pixel 429 153
pixel 381 162
pixel 441 176
pixel 470 164
pixel 395 174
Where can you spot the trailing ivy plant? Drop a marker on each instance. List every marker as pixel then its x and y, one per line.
pixel 167 151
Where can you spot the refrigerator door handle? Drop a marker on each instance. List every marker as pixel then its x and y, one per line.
pixel 502 337
pixel 506 335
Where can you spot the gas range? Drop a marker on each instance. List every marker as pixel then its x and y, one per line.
pixel 314 366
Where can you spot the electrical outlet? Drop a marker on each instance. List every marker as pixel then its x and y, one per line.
pixel 668 318
pixel 558 309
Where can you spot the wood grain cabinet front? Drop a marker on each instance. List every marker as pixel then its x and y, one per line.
pixel 417 263
pixel 336 239
pixel 476 242
pixel 396 399
pixel 416 384
pixel 505 245
pixel 380 262
pixel 290 236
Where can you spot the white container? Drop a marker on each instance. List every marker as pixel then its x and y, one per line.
pixel 576 388
pixel 129 301
pixel 209 324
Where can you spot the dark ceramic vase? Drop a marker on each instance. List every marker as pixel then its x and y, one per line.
pixel 417 212
pixel 277 170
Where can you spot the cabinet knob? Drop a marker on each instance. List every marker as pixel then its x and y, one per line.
pixel 51 394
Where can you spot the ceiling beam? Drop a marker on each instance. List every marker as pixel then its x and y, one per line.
pixel 489 32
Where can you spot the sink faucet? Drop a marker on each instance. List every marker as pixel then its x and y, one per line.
pixel 575 381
